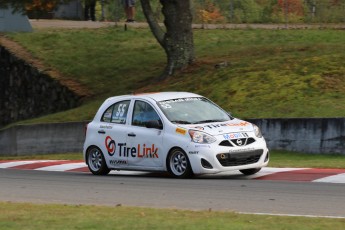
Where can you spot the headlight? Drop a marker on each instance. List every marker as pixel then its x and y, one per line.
pixel 201 137
pixel 257 131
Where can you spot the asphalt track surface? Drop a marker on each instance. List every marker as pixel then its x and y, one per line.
pixel 232 192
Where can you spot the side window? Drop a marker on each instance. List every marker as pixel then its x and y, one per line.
pixel 144 112
pixel 117 113
pixel 107 114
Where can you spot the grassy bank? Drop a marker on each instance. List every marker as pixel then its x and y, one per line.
pixel 32 216
pixel 268 73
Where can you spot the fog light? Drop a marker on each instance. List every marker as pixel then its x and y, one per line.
pixel 206 164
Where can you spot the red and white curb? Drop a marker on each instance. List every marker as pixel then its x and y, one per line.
pixel 268 173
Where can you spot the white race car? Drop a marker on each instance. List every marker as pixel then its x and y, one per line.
pixel 182 133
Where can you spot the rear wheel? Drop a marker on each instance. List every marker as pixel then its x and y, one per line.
pixel 96 161
pixel 178 164
pixel 250 171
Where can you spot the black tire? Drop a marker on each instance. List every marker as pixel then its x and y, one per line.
pixel 250 171
pixel 96 162
pixel 178 164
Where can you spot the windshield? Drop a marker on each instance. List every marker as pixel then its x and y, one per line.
pixel 192 110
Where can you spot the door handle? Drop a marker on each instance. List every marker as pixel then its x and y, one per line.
pixel 131 134
pixel 101 132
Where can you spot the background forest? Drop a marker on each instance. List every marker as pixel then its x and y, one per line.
pixel 221 11
pixel 248 11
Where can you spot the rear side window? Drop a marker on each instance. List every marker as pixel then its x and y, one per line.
pixel 116 113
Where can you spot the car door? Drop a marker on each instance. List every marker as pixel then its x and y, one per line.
pixel 145 143
pixel 112 134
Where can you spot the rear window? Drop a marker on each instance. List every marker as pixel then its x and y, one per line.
pixel 116 113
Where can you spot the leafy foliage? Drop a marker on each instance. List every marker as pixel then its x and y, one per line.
pixel 210 13
pixel 38 5
pixel 290 7
pixel 41 5
pixel 288 11
pixel 233 11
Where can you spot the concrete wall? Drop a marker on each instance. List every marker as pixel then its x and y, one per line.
pixel 310 135
pixel 319 135
pixel 26 92
pixel 13 21
pixel 42 138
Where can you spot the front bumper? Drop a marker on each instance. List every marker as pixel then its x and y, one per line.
pixel 210 159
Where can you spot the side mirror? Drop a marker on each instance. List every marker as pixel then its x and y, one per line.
pixel 153 125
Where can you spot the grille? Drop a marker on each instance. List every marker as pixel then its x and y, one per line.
pixel 239 158
pixel 225 143
pixel 237 142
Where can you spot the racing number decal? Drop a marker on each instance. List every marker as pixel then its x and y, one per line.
pixel 110 145
pixel 121 110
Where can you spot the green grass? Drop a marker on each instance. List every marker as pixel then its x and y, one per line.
pixel 278 158
pixel 286 159
pixel 34 216
pixel 270 73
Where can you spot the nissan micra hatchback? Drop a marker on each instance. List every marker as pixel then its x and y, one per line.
pixel 182 133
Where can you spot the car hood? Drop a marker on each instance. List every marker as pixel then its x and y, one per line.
pixel 218 128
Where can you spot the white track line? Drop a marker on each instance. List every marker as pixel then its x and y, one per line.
pixel 63 167
pixel 293 215
pixel 339 178
pixel 18 163
pixel 268 171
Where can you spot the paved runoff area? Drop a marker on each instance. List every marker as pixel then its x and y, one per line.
pixel 268 173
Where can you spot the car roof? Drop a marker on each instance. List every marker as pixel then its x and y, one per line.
pixel 159 96
pixel 163 96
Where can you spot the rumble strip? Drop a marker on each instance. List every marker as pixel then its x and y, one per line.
pixel 267 173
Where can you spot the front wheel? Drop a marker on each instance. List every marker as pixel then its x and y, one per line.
pixel 96 161
pixel 250 171
pixel 178 164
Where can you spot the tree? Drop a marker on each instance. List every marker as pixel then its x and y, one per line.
pixel 246 11
pixel 16 5
pixel 177 37
pixel 40 7
pixel 210 13
pixel 291 10
pixel 328 11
